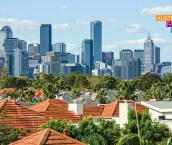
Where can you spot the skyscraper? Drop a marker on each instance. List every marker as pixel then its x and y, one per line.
pixel 59 47
pixel 107 57
pixel 9 45
pixel 21 61
pixel 126 54
pixel 139 53
pixel 33 49
pixel 77 58
pixel 87 54
pixel 5 33
pixel 149 55
pixel 52 60
pixel 157 55
pixel 126 67
pixel 96 36
pixel 45 39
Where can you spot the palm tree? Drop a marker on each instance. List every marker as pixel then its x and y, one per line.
pixel 167 142
pixel 49 91
pixel 101 96
pixel 28 95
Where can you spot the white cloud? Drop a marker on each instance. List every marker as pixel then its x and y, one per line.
pixel 73 48
pixel 112 19
pixel 29 26
pixel 64 26
pixel 4 10
pixel 135 28
pixel 157 10
pixel 82 22
pixel 65 7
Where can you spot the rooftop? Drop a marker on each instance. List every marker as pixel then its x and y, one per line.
pixel 159 104
pixel 48 137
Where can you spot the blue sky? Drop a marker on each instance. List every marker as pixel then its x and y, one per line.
pixel 125 22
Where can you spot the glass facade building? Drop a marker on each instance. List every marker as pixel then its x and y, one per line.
pixel 108 57
pixel 149 55
pixel 126 54
pixel 96 36
pixel 87 54
pixel 45 39
pixel 157 55
pixel 5 33
pixel 59 47
pixel 33 49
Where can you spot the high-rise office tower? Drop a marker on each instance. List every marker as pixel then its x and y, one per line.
pixel 33 49
pixel 45 39
pixel 5 33
pixel 21 61
pixel 139 53
pixel 59 47
pixel 87 54
pixel 108 57
pixel 126 54
pixel 9 45
pixel 149 55
pixel 127 69
pixel 157 55
pixel 52 60
pixel 77 58
pixel 96 36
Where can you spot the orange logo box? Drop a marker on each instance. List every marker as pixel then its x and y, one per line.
pixel 163 17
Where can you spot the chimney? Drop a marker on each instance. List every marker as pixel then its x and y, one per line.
pixel 65 132
pixel 14 100
pixel 77 108
pixel 123 112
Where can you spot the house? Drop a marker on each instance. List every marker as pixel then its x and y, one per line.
pixel 48 137
pixel 59 109
pixel 160 110
pixel 13 114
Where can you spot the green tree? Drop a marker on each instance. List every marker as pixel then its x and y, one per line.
pixel 166 142
pixel 28 95
pixel 75 93
pixel 49 91
pixel 145 81
pixel 125 90
pixel 101 96
pixel 4 73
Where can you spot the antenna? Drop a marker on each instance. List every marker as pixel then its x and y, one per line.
pixel 18 26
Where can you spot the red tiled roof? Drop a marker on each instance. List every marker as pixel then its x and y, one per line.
pixel 7 90
pixel 39 94
pixel 20 117
pixel 48 137
pixel 56 109
pixel 92 110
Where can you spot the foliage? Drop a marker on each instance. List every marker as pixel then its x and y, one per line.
pixel 94 139
pixel 8 134
pixel 151 131
pixel 146 81
pixel 101 96
pixel 75 93
pixel 87 131
pixel 167 142
pixel 28 95
pixel 125 90
pixel 50 91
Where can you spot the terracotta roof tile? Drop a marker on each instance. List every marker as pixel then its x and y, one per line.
pixel 48 137
pixel 93 111
pixel 56 109
pixel 39 94
pixel 7 90
pixel 20 117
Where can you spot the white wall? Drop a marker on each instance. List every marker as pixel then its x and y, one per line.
pixel 77 108
pixel 155 114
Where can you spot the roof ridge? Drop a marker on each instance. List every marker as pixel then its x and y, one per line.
pixel 27 137
pixel 115 107
pixel 44 136
pixel 48 105
pixel 3 104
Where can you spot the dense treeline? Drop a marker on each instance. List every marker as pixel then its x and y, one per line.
pixel 151 84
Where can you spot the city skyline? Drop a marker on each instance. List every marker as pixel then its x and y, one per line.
pixel 70 23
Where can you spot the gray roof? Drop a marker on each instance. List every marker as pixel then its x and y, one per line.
pixel 160 104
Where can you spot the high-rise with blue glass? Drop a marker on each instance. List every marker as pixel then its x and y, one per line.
pixel 45 39
pixel 87 54
pixel 96 36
